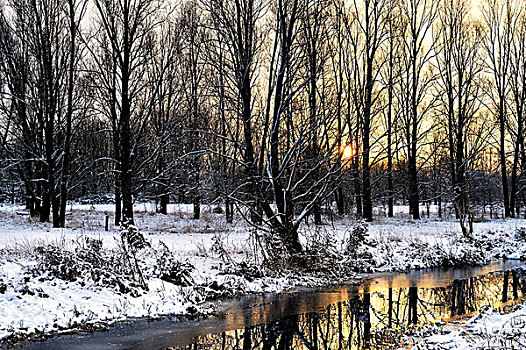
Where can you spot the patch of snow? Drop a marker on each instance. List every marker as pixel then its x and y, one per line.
pixel 488 330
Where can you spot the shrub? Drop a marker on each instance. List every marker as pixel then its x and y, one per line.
pixel 132 242
pixel 87 261
pixel 520 233
pixel 321 252
pixel 356 238
pixel 169 269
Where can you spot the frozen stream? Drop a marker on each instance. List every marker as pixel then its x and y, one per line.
pixel 349 317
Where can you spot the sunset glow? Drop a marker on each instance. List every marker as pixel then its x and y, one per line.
pixel 347 152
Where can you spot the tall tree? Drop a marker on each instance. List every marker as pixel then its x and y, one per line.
pixel 236 23
pixel 290 175
pixel 75 10
pixel 498 21
pixel 166 77
pixel 20 126
pixel 126 26
pixel 459 66
pixel 418 17
pixel 194 81
pixel 518 103
pixel 49 28
pixel 391 75
pixel 371 32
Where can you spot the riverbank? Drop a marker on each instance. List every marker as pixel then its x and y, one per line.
pixel 346 317
pixel 55 280
pixel 489 329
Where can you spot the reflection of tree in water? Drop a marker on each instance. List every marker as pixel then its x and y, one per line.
pixel 462 297
pixel 373 320
pixel 514 284
pixel 468 295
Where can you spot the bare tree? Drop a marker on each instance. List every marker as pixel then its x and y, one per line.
pixel 236 24
pixel 459 65
pixel 126 27
pixel 194 81
pixel 370 30
pixel 312 38
pixel 518 103
pixel 337 60
pixel 19 127
pixel 391 76
pixel 44 88
pixel 498 21
pixel 75 11
pixel 417 18
pixel 290 178
pixel 166 74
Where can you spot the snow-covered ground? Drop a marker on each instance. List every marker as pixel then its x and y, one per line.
pixel 187 261
pixel 36 302
pixel 489 329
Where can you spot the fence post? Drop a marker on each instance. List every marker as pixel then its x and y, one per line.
pixel 107 222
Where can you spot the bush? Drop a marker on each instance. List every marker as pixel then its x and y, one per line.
pixel 132 242
pixel 246 269
pixel 57 263
pixel 458 253
pixel 169 269
pixel 520 233
pixel 86 262
pixel 357 237
pixel 321 252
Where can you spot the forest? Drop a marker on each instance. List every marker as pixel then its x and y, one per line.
pixel 279 110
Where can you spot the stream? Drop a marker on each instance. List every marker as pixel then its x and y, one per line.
pixel 371 315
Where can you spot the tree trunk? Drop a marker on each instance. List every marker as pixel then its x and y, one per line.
pixel 514 170
pixel 69 116
pixel 366 167
pixel 124 125
pixel 164 197
pixel 502 156
pixel 196 200
pixel 390 187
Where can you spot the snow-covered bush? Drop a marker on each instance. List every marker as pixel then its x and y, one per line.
pixel 321 251
pixel 274 255
pixel 520 233
pixel 169 269
pixel 218 247
pixel 245 268
pixel 456 253
pixel 58 263
pixel 417 254
pixel 356 238
pixel 132 243
pixel 86 262
pixel 490 329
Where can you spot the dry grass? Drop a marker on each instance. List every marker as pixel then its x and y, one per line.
pixel 93 220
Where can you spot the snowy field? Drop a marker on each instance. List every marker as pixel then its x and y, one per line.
pixel 55 280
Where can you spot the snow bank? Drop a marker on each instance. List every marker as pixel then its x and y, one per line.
pixel 490 329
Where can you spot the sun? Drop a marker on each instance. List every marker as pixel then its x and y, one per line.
pixel 347 152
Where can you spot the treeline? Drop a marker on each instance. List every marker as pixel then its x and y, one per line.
pixel 280 110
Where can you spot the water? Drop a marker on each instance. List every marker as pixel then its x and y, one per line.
pixel 371 315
